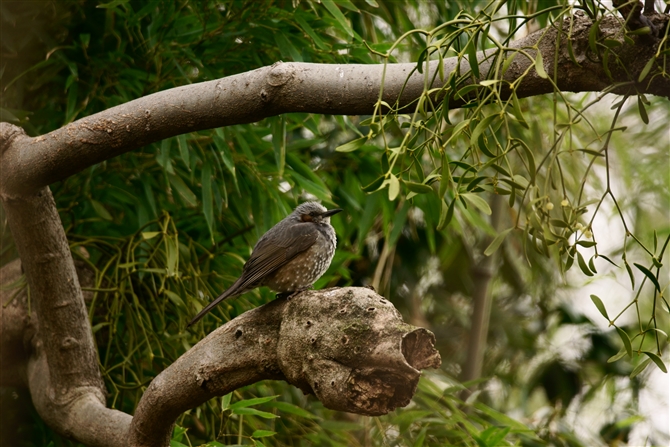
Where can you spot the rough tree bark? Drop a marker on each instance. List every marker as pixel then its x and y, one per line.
pixel 52 350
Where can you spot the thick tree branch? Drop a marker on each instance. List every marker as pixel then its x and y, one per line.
pixel 347 346
pixel 351 89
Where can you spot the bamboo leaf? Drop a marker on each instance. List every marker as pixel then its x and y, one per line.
pixel 335 12
pixel 207 200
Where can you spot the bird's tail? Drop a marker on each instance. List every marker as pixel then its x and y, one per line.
pixel 228 293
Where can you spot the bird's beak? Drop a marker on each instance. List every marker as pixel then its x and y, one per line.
pixel 331 212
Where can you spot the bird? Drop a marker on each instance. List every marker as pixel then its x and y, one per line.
pixel 289 257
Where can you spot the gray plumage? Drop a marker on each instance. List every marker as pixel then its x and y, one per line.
pixel 290 257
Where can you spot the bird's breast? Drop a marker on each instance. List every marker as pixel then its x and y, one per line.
pixel 304 269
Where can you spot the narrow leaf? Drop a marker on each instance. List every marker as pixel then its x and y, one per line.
pixel 263 433
pixel 646 69
pixel 352 145
pixel 100 210
pixel 446 213
pixel 601 307
pixel 626 341
pixel 657 360
pixel 207 200
pixel 418 188
pixel 639 368
pixel 493 246
pixel 394 187
pixel 478 202
pixel 582 265
pixel 335 11
pixel 649 275
pixel 539 66
pixel 250 402
pixel 481 127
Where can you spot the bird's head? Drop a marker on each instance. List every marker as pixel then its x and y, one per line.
pixel 314 212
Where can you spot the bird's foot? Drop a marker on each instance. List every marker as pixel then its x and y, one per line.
pixel 371 287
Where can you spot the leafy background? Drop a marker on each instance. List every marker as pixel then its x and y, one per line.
pixel 168 227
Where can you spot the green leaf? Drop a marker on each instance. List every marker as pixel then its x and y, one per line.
pixel 481 127
pixel 539 66
pixel 471 49
pixel 279 143
pixel 286 48
pixel 254 412
pixel 394 187
pixel 310 32
pixel 593 36
pixel 647 68
pixel 582 265
pixel 478 202
pixel 250 402
pixel 263 433
pixel 172 249
pixel 418 188
pixel 183 190
pixel 286 407
pixel 225 401
pixel 445 179
pixel 639 368
pixel 352 145
pixel 599 304
pixel 626 341
pixel 643 110
pixel 617 356
pixel 183 150
pixel 630 274
pixel 375 185
pixel 226 155
pixel 100 210
pixel 207 200
pixel 656 359
pixel 176 299
pixel 446 213
pixel 649 275
pixel 493 246
pixel 335 11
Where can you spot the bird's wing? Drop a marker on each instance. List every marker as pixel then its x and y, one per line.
pixel 274 250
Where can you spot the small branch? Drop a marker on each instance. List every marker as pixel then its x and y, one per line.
pixel 482 302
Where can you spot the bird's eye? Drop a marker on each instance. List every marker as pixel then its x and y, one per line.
pixel 306 218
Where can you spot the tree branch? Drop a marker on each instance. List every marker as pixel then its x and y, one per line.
pixel 347 346
pixel 350 89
